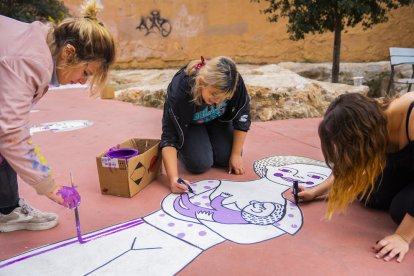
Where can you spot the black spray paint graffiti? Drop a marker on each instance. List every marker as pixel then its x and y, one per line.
pixel 154 22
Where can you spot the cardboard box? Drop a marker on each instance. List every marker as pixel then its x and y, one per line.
pixel 125 178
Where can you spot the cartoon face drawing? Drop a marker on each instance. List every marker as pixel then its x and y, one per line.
pixel 263 213
pixel 306 175
pixel 260 209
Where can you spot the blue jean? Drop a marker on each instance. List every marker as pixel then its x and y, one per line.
pixel 9 192
pixel 207 145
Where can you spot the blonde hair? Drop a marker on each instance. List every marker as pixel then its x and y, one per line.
pixel 219 73
pixel 354 138
pixel 91 39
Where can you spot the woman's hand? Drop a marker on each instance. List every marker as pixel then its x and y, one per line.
pixel 392 246
pixel 236 164
pixel 65 196
pixel 178 188
pixel 306 194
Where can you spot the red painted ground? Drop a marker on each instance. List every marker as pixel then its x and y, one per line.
pixel 339 247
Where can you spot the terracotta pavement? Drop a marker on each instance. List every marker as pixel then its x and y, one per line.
pixel 341 246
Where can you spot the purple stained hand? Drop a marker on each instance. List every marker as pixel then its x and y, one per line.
pixel 70 196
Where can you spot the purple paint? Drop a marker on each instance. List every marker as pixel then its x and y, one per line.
pixel 119 228
pixel 124 153
pixel 97 236
pixel 70 196
pixel 89 238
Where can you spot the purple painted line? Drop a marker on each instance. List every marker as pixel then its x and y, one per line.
pixel 131 224
pixel 90 239
pixel 111 231
pixel 107 232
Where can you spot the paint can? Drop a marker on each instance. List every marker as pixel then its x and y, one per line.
pixel 124 153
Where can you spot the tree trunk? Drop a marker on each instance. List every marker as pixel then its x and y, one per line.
pixel 337 49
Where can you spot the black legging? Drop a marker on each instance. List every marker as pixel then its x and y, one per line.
pixel 394 189
pixel 207 145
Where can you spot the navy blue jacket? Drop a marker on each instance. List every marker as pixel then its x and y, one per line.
pixel 179 110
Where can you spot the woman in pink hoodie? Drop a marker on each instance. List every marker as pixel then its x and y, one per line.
pixel 31 57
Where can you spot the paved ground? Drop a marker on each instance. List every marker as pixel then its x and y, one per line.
pixel 341 246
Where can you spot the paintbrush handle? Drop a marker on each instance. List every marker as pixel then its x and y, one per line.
pixel 77 220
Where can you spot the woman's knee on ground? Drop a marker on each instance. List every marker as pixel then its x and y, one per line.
pixel 197 164
pixel 198 167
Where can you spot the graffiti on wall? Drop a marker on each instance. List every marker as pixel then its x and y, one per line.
pixel 155 23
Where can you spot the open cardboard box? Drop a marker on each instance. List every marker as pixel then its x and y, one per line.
pixel 125 178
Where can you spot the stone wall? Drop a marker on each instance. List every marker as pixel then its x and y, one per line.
pixel 275 92
pixel 186 29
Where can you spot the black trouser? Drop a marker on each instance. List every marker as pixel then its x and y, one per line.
pixel 394 190
pixel 207 145
pixel 9 193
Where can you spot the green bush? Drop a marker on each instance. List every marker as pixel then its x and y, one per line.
pixel 32 10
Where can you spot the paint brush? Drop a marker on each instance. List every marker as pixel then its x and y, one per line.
pixel 78 229
pixel 296 191
pixel 179 180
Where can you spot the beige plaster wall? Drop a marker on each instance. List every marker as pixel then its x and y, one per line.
pixel 237 29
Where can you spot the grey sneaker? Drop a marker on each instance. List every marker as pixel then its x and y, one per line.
pixel 26 217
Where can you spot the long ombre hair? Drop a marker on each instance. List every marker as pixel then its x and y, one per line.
pixel 354 138
pixel 91 39
pixel 219 73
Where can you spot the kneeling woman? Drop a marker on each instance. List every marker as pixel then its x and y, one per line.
pixel 206 118
pixel 370 149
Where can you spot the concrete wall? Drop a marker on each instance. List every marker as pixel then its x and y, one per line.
pixel 235 28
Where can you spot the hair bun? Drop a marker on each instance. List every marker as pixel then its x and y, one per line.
pixel 90 9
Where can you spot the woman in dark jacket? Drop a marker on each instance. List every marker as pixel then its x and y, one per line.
pixel 206 118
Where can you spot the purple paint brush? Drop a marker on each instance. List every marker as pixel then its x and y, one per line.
pixel 78 230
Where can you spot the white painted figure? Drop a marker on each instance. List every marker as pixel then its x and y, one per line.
pixel 219 210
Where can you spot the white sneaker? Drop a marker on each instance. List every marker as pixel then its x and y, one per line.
pixel 26 217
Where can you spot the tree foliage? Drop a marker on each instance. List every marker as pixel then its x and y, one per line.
pixel 319 16
pixel 31 10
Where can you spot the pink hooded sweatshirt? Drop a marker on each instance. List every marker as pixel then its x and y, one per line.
pixel 26 68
